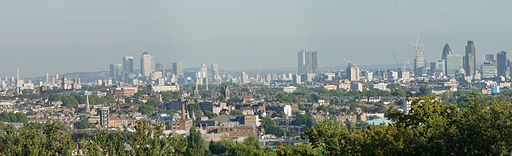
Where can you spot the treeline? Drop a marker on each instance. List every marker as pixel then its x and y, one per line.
pixel 149 139
pixel 74 99
pixel 478 127
pixel 13 117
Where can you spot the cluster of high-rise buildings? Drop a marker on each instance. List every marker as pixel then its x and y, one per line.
pixel 451 65
pixel 465 65
pixel 149 71
pixel 16 85
pixel 307 62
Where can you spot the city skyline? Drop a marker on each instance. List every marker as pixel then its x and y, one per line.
pixel 231 77
pixel 167 30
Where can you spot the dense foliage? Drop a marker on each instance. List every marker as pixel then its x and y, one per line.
pixel 479 127
pixel 13 117
pixel 271 128
pixel 74 99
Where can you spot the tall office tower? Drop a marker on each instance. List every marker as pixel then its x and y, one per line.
pixel 116 70
pixel 17 81
pixel 176 69
pixel 502 62
pixel 454 62
pixel 489 58
pixel 128 64
pixel 446 51
pixel 392 75
pixel 268 78
pixel 204 75
pixel 146 65
pixel 301 61
pixel 470 59
pixel 419 60
pixel 403 74
pixel 64 84
pixel 215 69
pixel 307 62
pixel 437 67
pixel 353 72
pixel 159 67
pixel 104 116
pixel 367 75
pixel 204 70
pixel 244 78
pixel 489 70
pixel 46 78
pixel 56 78
pixel 314 63
pixel 258 78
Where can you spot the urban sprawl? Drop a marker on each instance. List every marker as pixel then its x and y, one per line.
pixel 277 108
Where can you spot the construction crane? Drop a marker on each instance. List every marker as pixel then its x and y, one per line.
pixel 396 60
pixel 348 62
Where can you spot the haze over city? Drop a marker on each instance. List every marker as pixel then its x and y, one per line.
pixel 262 78
pixel 83 36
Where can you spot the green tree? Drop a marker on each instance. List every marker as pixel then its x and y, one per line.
pixel 33 139
pixel 425 91
pixel 271 128
pixel 55 97
pixel 236 113
pixel 69 101
pixel 246 150
pixel 209 114
pixel 251 140
pixel 196 108
pixel 168 96
pixel 221 146
pixel 146 109
pixel 153 102
pixel 13 117
pixel 196 144
pixel 83 124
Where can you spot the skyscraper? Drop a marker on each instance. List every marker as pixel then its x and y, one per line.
pixel 446 51
pixel 502 62
pixel 47 79
pixel 116 70
pixel 353 72
pixel 128 64
pixel 489 70
pixel 454 62
pixel 244 78
pixel 204 75
pixel 307 62
pixel 470 59
pixel 489 58
pixel 159 67
pixel 176 69
pixel 146 65
pixel 313 62
pixel 437 67
pixel 215 69
pixel 419 60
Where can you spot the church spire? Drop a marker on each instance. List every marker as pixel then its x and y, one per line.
pixel 87 107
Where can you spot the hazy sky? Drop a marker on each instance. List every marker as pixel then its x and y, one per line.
pixel 59 36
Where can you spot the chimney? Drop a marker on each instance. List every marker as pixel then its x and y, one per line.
pixel 183 111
